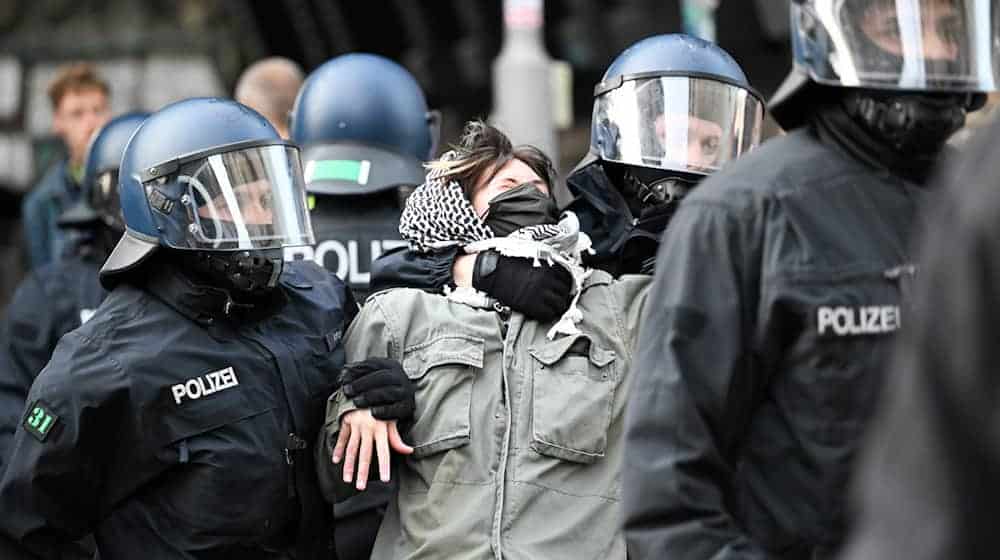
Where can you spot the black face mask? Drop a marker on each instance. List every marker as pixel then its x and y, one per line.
pixel 522 206
pixel 910 123
pixel 247 274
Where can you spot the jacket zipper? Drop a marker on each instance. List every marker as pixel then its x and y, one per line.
pixel 503 317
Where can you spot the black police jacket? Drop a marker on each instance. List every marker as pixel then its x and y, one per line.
pixel 50 302
pixel 927 484
pixel 172 429
pixel 622 243
pixel 762 352
pixel 351 232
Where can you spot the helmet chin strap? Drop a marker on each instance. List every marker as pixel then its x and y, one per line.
pixel 247 274
pixel 654 187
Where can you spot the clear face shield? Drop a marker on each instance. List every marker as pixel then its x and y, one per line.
pixel 919 45
pixel 247 199
pixel 682 123
pixel 103 198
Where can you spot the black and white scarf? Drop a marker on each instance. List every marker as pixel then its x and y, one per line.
pixel 438 215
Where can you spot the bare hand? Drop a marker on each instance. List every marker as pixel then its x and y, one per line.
pixel 461 271
pixel 358 428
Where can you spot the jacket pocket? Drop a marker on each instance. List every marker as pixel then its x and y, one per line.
pixel 574 382
pixel 443 371
pixel 189 419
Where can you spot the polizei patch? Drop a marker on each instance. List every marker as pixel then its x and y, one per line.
pixel 204 385
pixel 857 321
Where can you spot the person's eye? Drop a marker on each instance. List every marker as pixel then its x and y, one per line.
pixel 710 146
pixel 950 30
pixel 889 28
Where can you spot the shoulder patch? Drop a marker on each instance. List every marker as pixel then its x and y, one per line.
pixel 39 420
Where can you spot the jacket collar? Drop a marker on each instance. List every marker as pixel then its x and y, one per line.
pixel 202 303
pixel 834 127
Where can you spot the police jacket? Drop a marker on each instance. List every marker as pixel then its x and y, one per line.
pixel 927 483
pixel 175 424
pixel 50 302
pixel 762 351
pixel 351 232
pixel 518 439
pixel 40 211
pixel 623 242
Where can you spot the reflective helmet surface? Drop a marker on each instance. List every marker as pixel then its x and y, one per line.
pixel 100 200
pixel 675 102
pixel 208 174
pixel 364 126
pixel 940 46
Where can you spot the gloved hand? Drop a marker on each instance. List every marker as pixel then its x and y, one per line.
pixel 381 385
pixel 542 293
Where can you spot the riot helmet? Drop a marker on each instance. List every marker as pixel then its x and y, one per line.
pixel 211 180
pixel 99 202
pixel 916 63
pixel 677 103
pixel 364 126
pixel 670 110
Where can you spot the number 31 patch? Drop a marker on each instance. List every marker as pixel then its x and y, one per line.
pixel 39 421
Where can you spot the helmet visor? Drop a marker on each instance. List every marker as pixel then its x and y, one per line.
pixel 680 123
pixel 252 198
pixel 923 45
pixel 103 198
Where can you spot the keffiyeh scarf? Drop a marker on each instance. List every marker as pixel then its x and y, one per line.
pixel 438 216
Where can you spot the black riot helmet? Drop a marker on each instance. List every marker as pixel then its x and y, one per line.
pixel 908 70
pixel 364 126
pixel 673 108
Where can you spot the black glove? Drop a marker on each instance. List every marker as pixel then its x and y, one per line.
pixel 381 385
pixel 541 292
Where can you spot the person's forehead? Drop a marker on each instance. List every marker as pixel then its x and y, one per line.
pixel 889 7
pixel 82 96
pixel 690 121
pixel 515 168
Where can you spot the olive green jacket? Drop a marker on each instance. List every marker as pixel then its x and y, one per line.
pixel 518 439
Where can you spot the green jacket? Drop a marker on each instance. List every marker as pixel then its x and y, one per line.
pixel 538 478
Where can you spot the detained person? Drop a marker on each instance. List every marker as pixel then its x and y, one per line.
pixel 515 448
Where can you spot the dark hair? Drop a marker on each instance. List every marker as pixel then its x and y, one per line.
pixel 482 151
pixel 73 78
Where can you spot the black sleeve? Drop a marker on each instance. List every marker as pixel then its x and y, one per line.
pixel 927 482
pixel 357 513
pixel 30 331
pixel 403 268
pixel 684 410
pixel 54 488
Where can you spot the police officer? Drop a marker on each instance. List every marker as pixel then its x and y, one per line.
pixel 176 422
pixel 365 130
pixel 928 477
pixel 779 281
pixel 61 296
pixel 670 110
